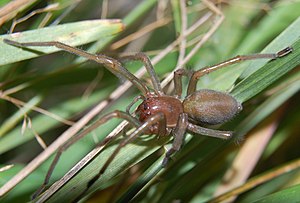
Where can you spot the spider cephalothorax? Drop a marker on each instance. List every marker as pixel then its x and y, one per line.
pixel 171 107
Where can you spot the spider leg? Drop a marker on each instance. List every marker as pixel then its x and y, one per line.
pixel 178 134
pixel 209 132
pixel 178 81
pixel 198 74
pixel 157 118
pixel 148 65
pixel 135 100
pixel 102 120
pixel 109 63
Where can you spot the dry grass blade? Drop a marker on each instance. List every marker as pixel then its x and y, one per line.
pixel 273 173
pixel 11 9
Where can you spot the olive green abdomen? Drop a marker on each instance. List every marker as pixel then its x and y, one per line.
pixel 211 107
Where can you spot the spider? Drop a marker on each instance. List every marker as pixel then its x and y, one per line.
pixel 159 113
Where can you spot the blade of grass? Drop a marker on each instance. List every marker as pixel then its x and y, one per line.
pixel 176 15
pixel 291 194
pixel 4 2
pixel 74 34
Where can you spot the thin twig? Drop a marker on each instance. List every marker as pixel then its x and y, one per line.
pixel 35 108
pixel 214 28
pixel 36 135
pixel 149 28
pixel 104 9
pixel 182 45
pixel 5 168
pixel 51 7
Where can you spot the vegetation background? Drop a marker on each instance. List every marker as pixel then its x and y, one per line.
pixel 41 99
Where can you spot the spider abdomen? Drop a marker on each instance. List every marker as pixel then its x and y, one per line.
pixel 211 107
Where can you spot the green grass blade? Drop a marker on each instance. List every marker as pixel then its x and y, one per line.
pixel 73 34
pixel 291 194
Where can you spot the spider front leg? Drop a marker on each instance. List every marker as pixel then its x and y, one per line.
pixel 158 118
pixel 148 65
pixel 198 74
pixel 109 63
pixel 102 120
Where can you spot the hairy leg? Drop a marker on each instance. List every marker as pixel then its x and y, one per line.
pixel 148 65
pixel 178 81
pixel 198 74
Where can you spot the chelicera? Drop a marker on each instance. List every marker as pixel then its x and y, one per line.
pixel 159 113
